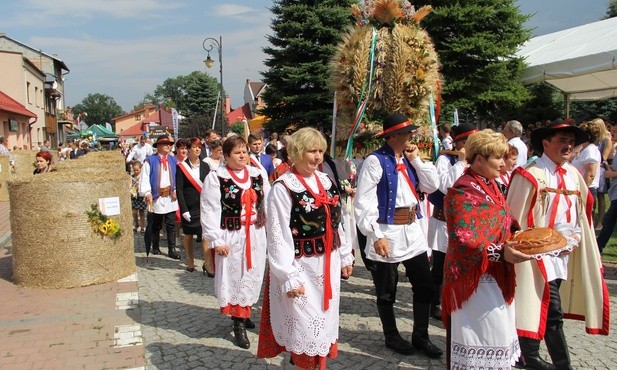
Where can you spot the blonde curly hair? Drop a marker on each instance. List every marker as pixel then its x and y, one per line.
pixel 486 143
pixel 302 140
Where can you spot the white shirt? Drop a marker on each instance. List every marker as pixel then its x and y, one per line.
pixel 590 154
pixel 140 153
pixel 161 205
pixel 522 150
pixel 446 143
pixel 557 267
pixel 406 241
pixel 437 233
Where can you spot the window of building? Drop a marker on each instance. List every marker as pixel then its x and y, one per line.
pixel 28 92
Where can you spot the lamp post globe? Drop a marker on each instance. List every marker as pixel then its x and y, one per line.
pixel 209 44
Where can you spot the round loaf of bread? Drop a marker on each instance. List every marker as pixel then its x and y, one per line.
pixel 538 240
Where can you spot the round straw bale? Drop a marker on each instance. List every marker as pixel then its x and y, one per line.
pixel 54 244
pixel 24 161
pixel 106 160
pixel 5 174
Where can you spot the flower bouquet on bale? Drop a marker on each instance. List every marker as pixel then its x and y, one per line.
pixel 386 63
pixel 102 224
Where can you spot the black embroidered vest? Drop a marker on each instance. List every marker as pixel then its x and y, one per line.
pixel 231 203
pixel 308 224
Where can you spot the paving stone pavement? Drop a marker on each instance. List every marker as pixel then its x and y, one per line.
pixel 183 329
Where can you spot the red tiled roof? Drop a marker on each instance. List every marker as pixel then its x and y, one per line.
pixel 239 114
pixel 139 111
pixel 9 104
pixel 135 130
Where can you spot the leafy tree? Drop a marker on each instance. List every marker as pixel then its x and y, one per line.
pixel 476 41
pixel 305 36
pixel 148 99
pixel 545 103
pixel 173 89
pixel 611 12
pixel 101 108
pixel 195 126
pixel 586 110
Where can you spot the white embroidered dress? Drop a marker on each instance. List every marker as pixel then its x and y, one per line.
pixel 300 324
pixel 234 285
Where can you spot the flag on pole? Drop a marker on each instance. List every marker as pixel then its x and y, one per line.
pixel 455 121
pixel 174 120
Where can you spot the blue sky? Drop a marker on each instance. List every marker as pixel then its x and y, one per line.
pixel 124 48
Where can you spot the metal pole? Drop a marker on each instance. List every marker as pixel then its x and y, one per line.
pixel 223 100
pixel 209 44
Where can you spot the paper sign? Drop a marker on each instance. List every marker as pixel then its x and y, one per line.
pixel 109 206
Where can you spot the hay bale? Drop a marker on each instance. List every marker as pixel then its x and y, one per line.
pixel 54 244
pixel 24 161
pixel 5 174
pixel 103 160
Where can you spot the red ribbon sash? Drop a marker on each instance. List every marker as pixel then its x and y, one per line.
pixel 562 186
pixel 322 199
pixel 249 197
pixel 197 184
pixel 402 168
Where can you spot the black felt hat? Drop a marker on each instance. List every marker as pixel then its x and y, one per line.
pixel 396 123
pixel 462 131
pixel 559 125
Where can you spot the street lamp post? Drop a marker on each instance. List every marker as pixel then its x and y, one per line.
pixel 209 44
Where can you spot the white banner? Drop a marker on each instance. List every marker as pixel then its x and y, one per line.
pixel 174 120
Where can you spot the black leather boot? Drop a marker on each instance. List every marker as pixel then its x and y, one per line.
pixel 242 340
pixel 558 348
pixel 530 353
pixel 173 254
pixel 419 337
pixel 394 340
pixel 249 324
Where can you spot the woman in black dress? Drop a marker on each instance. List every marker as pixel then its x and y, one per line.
pixel 189 181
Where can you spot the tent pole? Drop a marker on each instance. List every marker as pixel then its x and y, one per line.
pixel 567 99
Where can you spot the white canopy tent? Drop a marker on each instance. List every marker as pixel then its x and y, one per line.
pixel 581 61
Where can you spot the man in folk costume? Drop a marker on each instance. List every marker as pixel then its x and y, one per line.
pixel 157 184
pixel 549 192
pixel 392 182
pixel 450 166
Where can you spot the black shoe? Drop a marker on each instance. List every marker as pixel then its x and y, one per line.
pixel 190 269
pixel 425 345
pixel 242 340
pixel 156 251
pixel 210 274
pixel 173 254
pixel 399 345
pixel 538 363
pixel 436 312
pixel 249 324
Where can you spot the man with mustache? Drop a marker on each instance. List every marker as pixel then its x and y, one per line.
pixel 549 192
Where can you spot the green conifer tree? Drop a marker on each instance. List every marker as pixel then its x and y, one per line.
pixel 476 41
pixel 304 39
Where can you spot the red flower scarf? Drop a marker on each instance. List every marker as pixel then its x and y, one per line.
pixel 477 218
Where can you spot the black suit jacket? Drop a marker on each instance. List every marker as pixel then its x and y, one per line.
pixel 188 196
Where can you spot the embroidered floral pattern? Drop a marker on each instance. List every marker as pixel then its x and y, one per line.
pixel 494 252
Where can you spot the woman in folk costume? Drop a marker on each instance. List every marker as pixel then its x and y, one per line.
pixel 550 192
pixel 189 182
pixel 307 254
pixel 478 287
pixel 233 219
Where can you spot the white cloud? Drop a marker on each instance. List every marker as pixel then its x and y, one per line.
pixel 232 10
